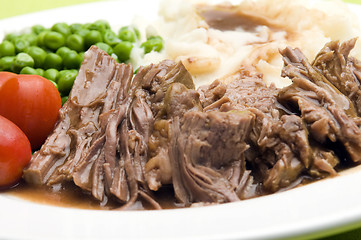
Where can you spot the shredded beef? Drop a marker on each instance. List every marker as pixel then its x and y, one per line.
pixel 92 96
pixel 329 115
pixel 125 136
pixel 279 143
pixel 342 71
pixel 207 155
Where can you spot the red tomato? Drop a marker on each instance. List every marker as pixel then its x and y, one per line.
pixel 15 153
pixel 4 76
pixel 32 103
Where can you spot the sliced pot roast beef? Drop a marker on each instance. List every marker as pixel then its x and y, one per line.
pixel 93 94
pixel 343 71
pixel 125 136
pixel 206 152
pixel 329 114
pixel 279 143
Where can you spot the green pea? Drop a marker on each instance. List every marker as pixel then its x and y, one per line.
pixel 105 47
pixel 99 25
pixel 82 32
pixel 51 74
pixel 29 70
pixel 54 40
pixel 110 38
pixel 81 54
pixel 53 60
pixel 64 99
pixel 62 28
pixel 20 44
pixel 92 37
pixel 7 48
pixel 153 44
pixel 122 50
pixel 75 27
pixel 62 51
pixel 86 25
pixel 38 54
pixel 137 33
pixel 10 36
pixel 113 55
pixel 41 38
pixel 62 73
pixel 55 84
pixel 31 38
pixel 6 63
pixel 75 71
pixel 72 60
pixel 40 71
pixel 22 60
pixel 66 80
pixel 37 29
pixel 129 34
pixel 75 42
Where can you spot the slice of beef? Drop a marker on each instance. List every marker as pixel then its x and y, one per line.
pixel 324 162
pixel 101 140
pixel 93 93
pixel 170 95
pixel 206 152
pixel 125 137
pixel 329 115
pixel 162 168
pixel 181 100
pixel 158 80
pixel 279 150
pixel 334 63
pixel 296 65
pixel 212 93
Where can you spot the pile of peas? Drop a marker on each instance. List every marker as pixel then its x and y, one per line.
pixel 56 53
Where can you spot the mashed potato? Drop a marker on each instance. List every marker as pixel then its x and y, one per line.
pixel 210 53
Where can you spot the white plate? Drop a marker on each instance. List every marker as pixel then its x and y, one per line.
pixel 317 209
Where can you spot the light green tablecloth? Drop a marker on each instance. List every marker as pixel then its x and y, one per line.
pixel 11 8
pixel 353 1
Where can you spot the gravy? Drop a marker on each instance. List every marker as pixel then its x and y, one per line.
pixel 232 18
pixel 70 196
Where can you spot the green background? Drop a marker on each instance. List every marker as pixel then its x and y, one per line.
pixel 11 8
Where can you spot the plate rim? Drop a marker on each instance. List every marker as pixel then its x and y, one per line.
pixel 351 219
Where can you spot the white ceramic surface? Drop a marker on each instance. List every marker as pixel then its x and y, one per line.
pixel 317 209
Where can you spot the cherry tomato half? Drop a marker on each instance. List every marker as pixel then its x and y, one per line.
pixel 15 153
pixel 32 103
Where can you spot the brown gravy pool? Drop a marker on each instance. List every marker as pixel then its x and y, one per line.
pixel 71 196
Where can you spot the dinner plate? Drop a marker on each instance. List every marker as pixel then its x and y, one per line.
pixel 318 209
